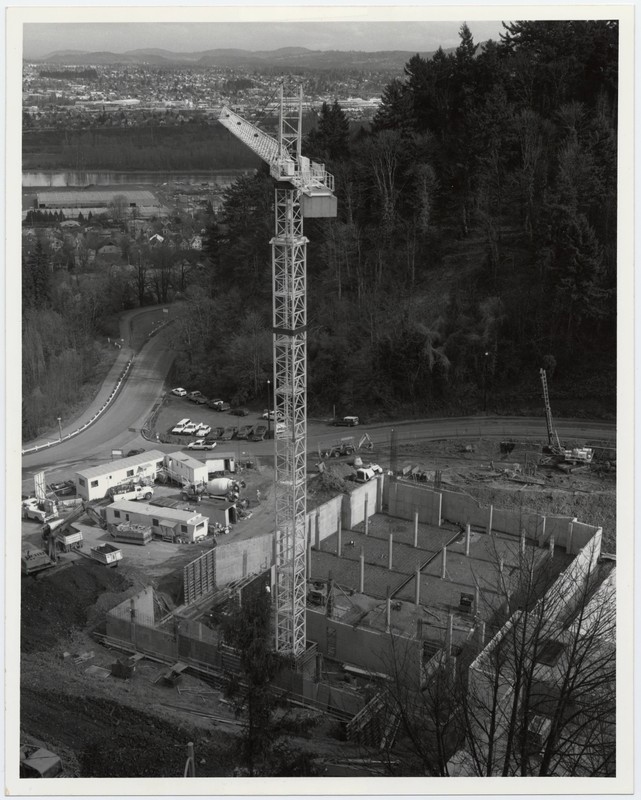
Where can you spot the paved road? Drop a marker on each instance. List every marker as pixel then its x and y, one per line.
pixel 120 425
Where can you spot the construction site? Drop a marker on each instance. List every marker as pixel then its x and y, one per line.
pixel 384 562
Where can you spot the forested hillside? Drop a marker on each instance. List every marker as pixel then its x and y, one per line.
pixel 475 240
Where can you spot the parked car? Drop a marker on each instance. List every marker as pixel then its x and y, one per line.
pixel 190 428
pixel 179 391
pixel 348 421
pixel 240 412
pixel 135 452
pixel 214 403
pixel 259 433
pixel 223 407
pixel 179 427
pixel 216 433
pixel 268 414
pixel 63 488
pixel 203 429
pixel 200 401
pixel 229 433
pixel 245 431
pixel 194 396
pixel 201 444
pixel 211 441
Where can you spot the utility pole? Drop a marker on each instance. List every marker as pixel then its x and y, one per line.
pixel 60 427
pixel 269 407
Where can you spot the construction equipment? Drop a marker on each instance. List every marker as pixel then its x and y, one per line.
pixel 34 559
pixel 575 455
pixel 60 527
pixel 303 189
pixel 39 510
pixel 365 442
pixel 130 533
pixel 344 447
pixel 106 554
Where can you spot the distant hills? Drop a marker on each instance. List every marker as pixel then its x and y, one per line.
pixel 285 57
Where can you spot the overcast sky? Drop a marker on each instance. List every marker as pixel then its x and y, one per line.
pixel 416 36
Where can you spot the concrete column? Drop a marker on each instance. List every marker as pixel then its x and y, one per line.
pixel 568 546
pixel 379 493
pixel 480 632
pixel 542 534
pixel 522 541
pixel 477 599
pixel 366 517
pixel 317 532
pixel 417 590
pixel 450 631
pixel 501 565
pixel 419 628
pixel 244 563
pixel 388 612
pixel 275 549
pixel 339 540
pixel 490 519
pixel 389 554
pixel 551 545
pixel 361 584
pixel 439 507
pixel 416 529
pixel 309 556
pixel 468 536
pixel 319 667
pixel 444 562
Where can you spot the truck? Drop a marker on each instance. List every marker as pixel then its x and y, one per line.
pixel 130 533
pixel 107 554
pixel 39 510
pixel 34 559
pixel 65 540
pixel 220 488
pixel 364 474
pixel 131 492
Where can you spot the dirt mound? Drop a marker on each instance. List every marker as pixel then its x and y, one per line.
pixel 113 741
pixel 54 605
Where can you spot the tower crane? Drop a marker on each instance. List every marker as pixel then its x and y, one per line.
pixel 303 189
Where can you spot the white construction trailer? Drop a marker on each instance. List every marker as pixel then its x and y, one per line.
pixel 92 483
pixel 188 525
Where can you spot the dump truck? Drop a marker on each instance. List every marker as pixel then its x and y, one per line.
pixel 130 533
pixel 107 554
pixel 65 541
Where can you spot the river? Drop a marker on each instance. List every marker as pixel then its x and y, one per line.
pixel 55 178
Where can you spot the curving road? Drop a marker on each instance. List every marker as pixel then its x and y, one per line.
pixel 120 425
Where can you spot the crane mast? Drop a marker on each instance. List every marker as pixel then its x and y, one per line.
pixel 553 437
pixel 303 189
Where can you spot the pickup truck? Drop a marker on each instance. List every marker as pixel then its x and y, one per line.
pixel 229 433
pixel 245 431
pixel 133 493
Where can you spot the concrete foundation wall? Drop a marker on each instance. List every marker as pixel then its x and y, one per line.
pixel 322 521
pixel 370 650
pixel 353 508
pixel 461 509
pixel 239 559
pixel 404 500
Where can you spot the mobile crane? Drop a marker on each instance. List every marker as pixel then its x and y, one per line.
pixel 303 189
pixel 577 455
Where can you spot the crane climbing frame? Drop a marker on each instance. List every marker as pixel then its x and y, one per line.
pixel 303 189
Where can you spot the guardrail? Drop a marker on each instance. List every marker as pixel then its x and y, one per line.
pixel 68 436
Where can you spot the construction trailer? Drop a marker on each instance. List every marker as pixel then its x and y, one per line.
pixel 183 468
pixel 188 525
pixel 221 462
pixel 93 483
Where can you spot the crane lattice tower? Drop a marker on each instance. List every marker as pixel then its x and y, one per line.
pixel 303 189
